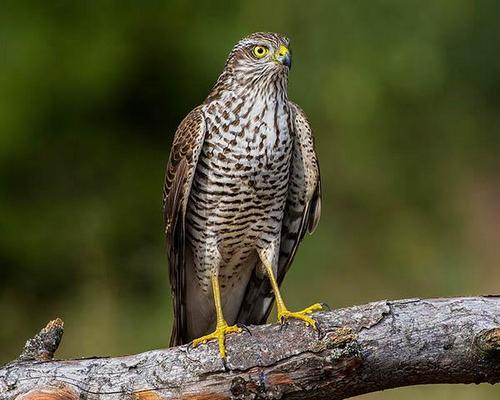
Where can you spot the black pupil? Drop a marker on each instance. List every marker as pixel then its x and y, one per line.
pixel 260 50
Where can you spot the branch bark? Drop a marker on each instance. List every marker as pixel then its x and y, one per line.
pixel 361 349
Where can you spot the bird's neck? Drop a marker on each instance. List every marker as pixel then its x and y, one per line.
pixel 269 88
pixel 255 113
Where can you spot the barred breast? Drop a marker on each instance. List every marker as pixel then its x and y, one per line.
pixel 240 187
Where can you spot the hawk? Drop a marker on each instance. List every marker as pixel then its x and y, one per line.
pixel 242 187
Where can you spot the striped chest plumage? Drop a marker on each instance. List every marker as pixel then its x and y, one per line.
pixel 241 182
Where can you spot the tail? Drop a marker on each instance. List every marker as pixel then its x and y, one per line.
pixel 194 316
pixel 175 337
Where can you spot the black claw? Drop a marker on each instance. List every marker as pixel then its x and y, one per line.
pixel 189 347
pixel 324 305
pixel 244 327
pixel 283 324
pixel 321 334
pixel 224 363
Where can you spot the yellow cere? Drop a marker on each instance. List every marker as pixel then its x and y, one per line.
pixel 260 51
pixel 282 51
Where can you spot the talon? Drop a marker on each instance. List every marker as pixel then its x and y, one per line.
pixel 284 315
pixel 219 334
pixel 243 327
pixel 321 334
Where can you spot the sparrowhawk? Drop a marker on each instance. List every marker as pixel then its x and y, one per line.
pixel 242 187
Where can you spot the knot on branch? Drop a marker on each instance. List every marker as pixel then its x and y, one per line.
pixel 489 341
pixel 45 343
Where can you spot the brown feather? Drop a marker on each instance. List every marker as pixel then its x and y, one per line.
pixel 181 166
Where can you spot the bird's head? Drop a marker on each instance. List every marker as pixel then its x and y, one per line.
pixel 261 54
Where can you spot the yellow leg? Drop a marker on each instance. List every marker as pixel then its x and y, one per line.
pixel 283 313
pixel 222 328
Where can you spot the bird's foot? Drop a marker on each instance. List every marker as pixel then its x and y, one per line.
pixel 219 334
pixel 284 315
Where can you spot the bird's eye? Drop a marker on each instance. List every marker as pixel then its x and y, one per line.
pixel 260 51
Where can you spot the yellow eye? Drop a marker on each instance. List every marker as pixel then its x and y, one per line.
pixel 260 51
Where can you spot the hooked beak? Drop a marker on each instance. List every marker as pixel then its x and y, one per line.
pixel 283 56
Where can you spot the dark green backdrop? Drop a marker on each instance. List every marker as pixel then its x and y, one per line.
pixel 404 99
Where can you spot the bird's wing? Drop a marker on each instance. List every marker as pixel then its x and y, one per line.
pixel 302 212
pixel 303 207
pixel 186 148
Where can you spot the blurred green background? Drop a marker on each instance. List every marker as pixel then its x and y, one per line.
pixel 404 99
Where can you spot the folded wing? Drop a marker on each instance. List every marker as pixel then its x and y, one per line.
pixel 181 167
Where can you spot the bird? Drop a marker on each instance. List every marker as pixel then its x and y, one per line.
pixel 242 187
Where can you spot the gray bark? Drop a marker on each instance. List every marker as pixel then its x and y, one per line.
pixel 361 349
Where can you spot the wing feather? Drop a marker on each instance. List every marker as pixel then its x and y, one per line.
pixel 302 214
pixel 186 148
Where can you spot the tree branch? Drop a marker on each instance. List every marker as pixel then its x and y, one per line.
pixel 361 349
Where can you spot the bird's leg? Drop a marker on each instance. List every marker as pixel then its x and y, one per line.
pixel 221 328
pixel 283 313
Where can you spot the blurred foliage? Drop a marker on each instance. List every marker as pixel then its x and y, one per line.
pixel 404 99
